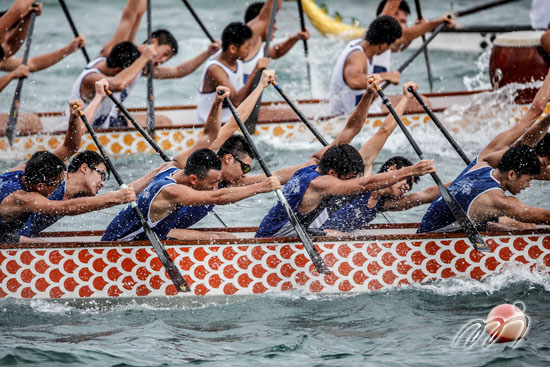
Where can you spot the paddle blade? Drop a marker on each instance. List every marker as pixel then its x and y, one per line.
pixel 314 255
pixel 166 260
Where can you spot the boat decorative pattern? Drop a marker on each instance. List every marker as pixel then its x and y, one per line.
pixel 177 140
pixel 246 269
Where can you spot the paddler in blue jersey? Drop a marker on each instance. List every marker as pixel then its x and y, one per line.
pixel 25 188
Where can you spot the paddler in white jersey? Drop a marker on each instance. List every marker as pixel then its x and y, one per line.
pixel 400 10
pixel 121 62
pixel 350 74
pixel 227 70
pixel 257 18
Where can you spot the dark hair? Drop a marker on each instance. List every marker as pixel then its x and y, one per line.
pixel 344 159
pixel 252 11
pixel 235 33
pixel 399 162
pixel 91 158
pixel 164 37
pixel 521 159
pixel 123 55
pixel 237 146
pixel 384 29
pixel 2 54
pixel 402 6
pixel 543 147
pixel 200 162
pixel 43 167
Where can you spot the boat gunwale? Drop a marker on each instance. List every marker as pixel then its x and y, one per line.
pixel 260 241
pixel 260 122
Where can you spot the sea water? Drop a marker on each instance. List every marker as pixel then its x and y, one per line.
pixel 412 325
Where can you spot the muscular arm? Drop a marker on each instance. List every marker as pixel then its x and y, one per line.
pixel 414 199
pixel 536 132
pixel 6 79
pixel 215 76
pixel 505 139
pixel 355 70
pixel 127 28
pixel 183 69
pixel 261 22
pixel 14 13
pixel 44 61
pixel 512 207
pixel 281 49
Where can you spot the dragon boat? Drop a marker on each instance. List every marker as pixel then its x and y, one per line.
pixel 76 265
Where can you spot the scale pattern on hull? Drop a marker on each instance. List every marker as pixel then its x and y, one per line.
pixel 257 268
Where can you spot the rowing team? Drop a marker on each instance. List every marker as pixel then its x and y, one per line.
pixel 333 193
pixel 245 51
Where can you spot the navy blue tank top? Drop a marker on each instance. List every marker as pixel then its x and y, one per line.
pixel 9 183
pixel 39 222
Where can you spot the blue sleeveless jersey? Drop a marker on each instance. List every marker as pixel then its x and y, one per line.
pixel 276 223
pixel 465 188
pixel 9 183
pixel 126 225
pixel 353 215
pixel 190 215
pixel 39 222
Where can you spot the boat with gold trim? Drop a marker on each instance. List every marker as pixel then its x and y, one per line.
pixel 73 265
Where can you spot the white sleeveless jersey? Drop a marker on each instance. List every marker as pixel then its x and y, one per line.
pixel 249 65
pixel 343 99
pixel 205 100
pixel 381 63
pixel 106 114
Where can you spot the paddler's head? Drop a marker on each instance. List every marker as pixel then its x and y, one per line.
pixel 517 167
pixel 543 151
pixel 401 15
pixel 166 45
pixel 399 189
pixel 253 11
pixel 342 161
pixel 44 173
pixel 122 56
pixel 383 32
pixel 236 157
pixel 236 40
pixel 89 171
pixel 204 170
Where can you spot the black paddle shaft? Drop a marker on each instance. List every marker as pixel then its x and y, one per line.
pixel 426 54
pixel 314 255
pixel 73 27
pixel 475 9
pixel 150 93
pixel 251 121
pixel 306 51
pixel 440 126
pixel 197 19
pixel 14 110
pixel 138 127
pixel 461 217
pixel 169 265
pixel 418 52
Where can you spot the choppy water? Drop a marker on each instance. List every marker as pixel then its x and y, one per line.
pixel 406 326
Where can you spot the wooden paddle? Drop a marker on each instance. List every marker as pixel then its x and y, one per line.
pixel 306 51
pixel 197 19
pixel 150 94
pixel 14 110
pixel 417 52
pixel 426 55
pixel 73 27
pixel 252 120
pixel 147 137
pixel 164 257
pixel 471 232
pixel 314 255
pixel 440 126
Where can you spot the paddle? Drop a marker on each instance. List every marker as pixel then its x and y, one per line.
pixel 147 137
pixel 426 55
pixel 150 94
pixel 164 257
pixel 455 208
pixel 198 20
pixel 309 125
pixel 252 120
pixel 306 51
pixel 73 27
pixel 417 52
pixel 475 9
pixel 440 126
pixel 14 110
pixel 314 255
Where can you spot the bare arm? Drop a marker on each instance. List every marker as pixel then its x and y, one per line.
pixel 512 207
pixel 536 132
pixel 355 70
pixel 127 28
pixel 505 139
pixel 414 199
pixel 281 49
pixel 186 68
pixel 261 22
pixel 14 13
pixel 417 30
pixel 21 72
pixel 44 61
pixel 73 136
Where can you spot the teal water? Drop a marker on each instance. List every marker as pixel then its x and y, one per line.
pixel 412 326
